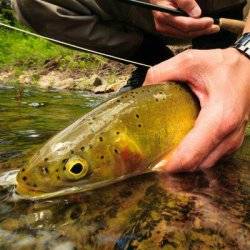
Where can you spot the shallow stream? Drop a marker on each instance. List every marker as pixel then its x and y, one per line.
pixel 190 211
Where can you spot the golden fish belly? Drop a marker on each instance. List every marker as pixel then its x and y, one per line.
pixel 125 136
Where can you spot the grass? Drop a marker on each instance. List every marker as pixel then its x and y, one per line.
pixel 20 52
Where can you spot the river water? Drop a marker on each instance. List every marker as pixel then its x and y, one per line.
pixel 204 210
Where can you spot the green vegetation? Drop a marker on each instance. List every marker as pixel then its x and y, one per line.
pixel 21 52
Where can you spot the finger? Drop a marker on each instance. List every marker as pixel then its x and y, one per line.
pixel 184 24
pixel 228 146
pixel 177 68
pixel 199 143
pixel 174 32
pixel 190 7
pixel 172 69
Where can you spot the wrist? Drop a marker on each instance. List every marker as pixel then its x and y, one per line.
pixel 243 44
pixel 233 54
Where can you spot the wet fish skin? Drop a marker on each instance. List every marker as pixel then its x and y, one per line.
pixel 124 136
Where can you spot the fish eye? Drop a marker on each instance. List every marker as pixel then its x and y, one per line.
pixel 76 168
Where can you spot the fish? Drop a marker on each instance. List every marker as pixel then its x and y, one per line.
pixel 123 137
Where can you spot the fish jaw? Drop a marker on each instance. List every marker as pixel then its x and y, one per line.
pixel 39 176
pixel 26 194
pixel 25 191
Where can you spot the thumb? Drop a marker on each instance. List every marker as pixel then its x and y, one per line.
pixel 190 7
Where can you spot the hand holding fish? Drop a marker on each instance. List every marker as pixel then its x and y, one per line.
pixel 181 26
pixel 221 81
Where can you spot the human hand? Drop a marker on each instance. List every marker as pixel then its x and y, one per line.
pixel 221 81
pixel 181 26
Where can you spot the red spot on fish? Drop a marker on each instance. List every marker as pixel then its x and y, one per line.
pixel 131 161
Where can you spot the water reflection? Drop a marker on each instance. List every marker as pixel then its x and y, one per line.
pixel 204 210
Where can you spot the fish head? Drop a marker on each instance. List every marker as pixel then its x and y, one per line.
pixel 53 168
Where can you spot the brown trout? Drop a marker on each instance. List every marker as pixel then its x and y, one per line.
pixel 123 137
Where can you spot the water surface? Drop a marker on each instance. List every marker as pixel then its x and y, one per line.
pixel 190 211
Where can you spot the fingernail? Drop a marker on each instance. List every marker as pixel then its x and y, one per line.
pixel 159 166
pixel 195 12
pixel 209 20
pixel 214 29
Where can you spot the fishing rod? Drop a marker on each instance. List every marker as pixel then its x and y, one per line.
pixel 232 25
pixel 120 59
pixel 150 6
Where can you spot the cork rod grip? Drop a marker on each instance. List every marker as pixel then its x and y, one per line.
pixel 232 25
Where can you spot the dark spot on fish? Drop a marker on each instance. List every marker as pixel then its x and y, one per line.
pixel 28 184
pixel 102 157
pixel 82 148
pixel 58 178
pixel 24 178
pixel 157 99
pixel 101 138
pixel 64 168
pixel 72 152
pixel 116 151
pixel 93 118
pixel 76 213
pixel 57 170
pixel 161 92
pixel 117 132
pixel 46 159
pixel 23 169
pixel 77 168
pixel 118 101
pixel 64 160
pixel 34 185
pixel 139 125
pixel 90 146
pixel 137 116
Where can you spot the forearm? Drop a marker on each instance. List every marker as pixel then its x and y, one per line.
pixel 247 27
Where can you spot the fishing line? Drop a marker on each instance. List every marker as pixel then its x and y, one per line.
pixel 123 60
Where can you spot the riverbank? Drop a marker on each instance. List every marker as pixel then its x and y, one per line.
pixel 26 60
